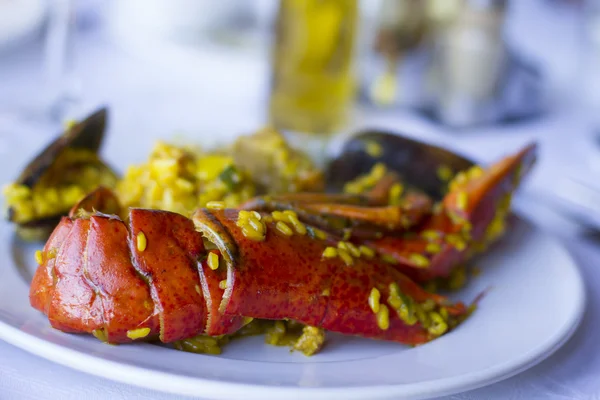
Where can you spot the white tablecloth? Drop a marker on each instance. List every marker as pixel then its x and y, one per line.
pixel 154 98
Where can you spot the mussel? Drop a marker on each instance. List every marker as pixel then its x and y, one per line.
pixel 62 173
pixel 421 166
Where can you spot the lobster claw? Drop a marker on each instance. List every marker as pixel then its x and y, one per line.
pixel 470 217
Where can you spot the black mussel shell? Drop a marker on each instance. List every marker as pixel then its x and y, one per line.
pixel 417 163
pixel 86 134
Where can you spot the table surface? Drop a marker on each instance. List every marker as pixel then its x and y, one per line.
pixel 150 96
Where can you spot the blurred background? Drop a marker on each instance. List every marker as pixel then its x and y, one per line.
pixel 479 76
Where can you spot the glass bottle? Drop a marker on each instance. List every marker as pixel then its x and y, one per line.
pixel 313 81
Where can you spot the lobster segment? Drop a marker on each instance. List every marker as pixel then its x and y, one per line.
pixel 126 299
pixel 165 249
pixel 258 285
pixel 75 305
pixel 42 285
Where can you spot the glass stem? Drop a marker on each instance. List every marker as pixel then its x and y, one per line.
pixel 56 48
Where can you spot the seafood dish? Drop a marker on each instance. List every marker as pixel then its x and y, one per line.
pixel 197 248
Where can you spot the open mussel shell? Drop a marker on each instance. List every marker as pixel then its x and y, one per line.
pixel 418 163
pixel 87 134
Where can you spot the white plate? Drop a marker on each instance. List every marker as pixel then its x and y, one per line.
pixel 535 302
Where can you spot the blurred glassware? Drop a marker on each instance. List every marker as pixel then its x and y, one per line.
pixel 62 90
pixel 395 67
pixel 475 78
pixel 449 59
pixel 56 92
pixel 401 28
pixel 313 80
pixel 238 24
pixel 470 65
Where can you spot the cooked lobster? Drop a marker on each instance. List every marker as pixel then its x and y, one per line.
pixel 157 275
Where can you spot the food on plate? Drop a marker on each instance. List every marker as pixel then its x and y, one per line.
pixel 182 179
pixel 162 276
pixel 273 165
pixel 354 259
pixel 174 178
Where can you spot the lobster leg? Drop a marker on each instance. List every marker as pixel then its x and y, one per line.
pixel 387 218
pixel 271 202
pixel 338 213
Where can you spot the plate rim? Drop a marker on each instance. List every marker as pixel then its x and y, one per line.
pixel 183 385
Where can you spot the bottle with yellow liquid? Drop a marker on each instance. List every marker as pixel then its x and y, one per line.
pixel 313 81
